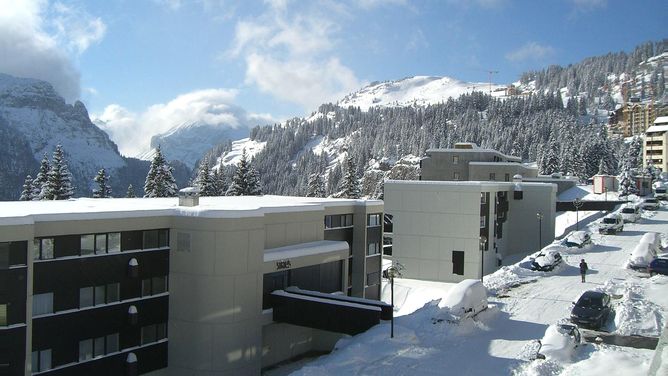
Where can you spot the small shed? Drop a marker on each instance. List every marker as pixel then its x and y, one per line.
pixel 605 183
pixel 643 184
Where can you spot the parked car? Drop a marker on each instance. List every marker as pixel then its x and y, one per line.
pixel 660 193
pixel 630 212
pixel 466 299
pixel 645 251
pixel 658 266
pixel 559 342
pixel 546 260
pixel 611 224
pixel 650 203
pixel 577 239
pixel 591 310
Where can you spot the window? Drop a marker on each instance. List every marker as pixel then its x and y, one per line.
pixel 112 343
pixel 347 220
pixel 455 175
pixel 373 220
pixel 114 242
pixel 85 297
pixel 373 249
pixel 42 304
pixel 100 244
pixel 483 221
pixel 373 278
pixel 338 221
pixel 103 294
pixel 152 286
pixel 455 159
pixel 97 347
pixel 43 249
pixel 483 198
pixel 87 244
pixel 492 176
pixel 3 314
pixel 183 242
pixel 153 333
pixel 458 262
pixel 4 255
pixel 156 239
pixel 85 349
pixel 506 177
pixel 113 292
pixel 41 360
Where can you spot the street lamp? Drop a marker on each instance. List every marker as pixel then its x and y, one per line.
pixel 483 243
pixel 540 230
pixel 392 272
pixel 577 203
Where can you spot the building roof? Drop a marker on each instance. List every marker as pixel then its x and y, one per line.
pixel 28 212
pixel 657 128
pixel 476 150
pixel 661 120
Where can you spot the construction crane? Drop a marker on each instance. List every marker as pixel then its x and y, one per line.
pixel 491 72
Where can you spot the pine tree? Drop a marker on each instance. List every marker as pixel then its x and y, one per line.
pixel 103 189
pixel 626 182
pixel 59 185
pixel 603 167
pixel 39 184
pixel 130 193
pixel 219 182
pixel 240 180
pixel 204 180
pixel 27 192
pixel 254 184
pixel 350 186
pixel 316 186
pixel 159 180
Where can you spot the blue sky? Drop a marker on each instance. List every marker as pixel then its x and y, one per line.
pixel 145 64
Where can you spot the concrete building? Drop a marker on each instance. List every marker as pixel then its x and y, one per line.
pixel 633 118
pixel 655 149
pixel 137 286
pixel 451 231
pixel 467 162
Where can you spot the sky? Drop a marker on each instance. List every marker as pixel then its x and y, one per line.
pixel 143 66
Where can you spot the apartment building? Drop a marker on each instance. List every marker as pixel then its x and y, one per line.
pixel 656 139
pixel 148 286
pixel 450 231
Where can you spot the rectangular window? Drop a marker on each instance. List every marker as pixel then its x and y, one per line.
pixel 4 255
pixel 148 334
pixel 114 242
pixel 373 278
pixel 146 287
pixel 492 176
pixel 163 238
pixel 161 331
pixel 455 159
pixel 100 244
pixel 183 242
pixel 3 314
pixel 151 239
pixel 43 249
pixel 42 304
pixel 87 244
pixel 98 347
pixel 458 262
pixel 112 343
pixel 483 221
pixel 100 292
pixel 483 198
pixel 373 220
pixel 506 177
pixel 86 297
pixel 328 221
pixel 159 285
pixel 85 349
pixel 41 360
pixel 455 175
pixel 348 220
pixel 113 292
pixel 373 249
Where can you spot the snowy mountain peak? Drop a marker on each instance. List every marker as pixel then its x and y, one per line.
pixel 416 90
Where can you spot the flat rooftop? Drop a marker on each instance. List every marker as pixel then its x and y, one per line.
pixel 28 212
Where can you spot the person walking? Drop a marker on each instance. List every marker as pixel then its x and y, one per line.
pixel 583 269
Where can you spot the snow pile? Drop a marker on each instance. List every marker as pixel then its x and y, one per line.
pixel 511 276
pixel 233 156
pixel 411 294
pixel 634 313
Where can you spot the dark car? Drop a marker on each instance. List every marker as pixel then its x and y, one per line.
pixel 591 310
pixel 658 266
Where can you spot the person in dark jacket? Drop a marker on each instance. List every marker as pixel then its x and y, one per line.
pixel 583 269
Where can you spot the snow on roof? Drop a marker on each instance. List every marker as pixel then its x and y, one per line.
pixel 657 128
pixel 306 249
pixel 28 212
pixel 661 120
pixel 325 300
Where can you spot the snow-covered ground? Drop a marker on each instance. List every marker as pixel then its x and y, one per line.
pixel 233 156
pixel 502 339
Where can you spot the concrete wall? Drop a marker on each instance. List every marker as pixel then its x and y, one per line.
pixel 522 225
pixel 482 171
pixel 472 164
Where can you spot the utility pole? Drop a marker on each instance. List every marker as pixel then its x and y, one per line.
pixel 491 72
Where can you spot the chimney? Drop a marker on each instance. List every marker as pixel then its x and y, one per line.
pixel 189 196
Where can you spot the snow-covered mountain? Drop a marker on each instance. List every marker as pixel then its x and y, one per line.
pixel 417 90
pixel 189 141
pixel 40 119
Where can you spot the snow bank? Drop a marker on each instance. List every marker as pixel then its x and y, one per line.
pixel 635 314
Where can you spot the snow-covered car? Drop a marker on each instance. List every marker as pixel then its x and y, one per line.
pixel 650 203
pixel 660 193
pixel 645 251
pixel 577 239
pixel 466 299
pixel 559 342
pixel 546 260
pixel 630 212
pixel 592 309
pixel 611 224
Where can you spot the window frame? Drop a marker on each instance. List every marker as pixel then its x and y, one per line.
pixel 40 296
pixel 483 221
pixel 39 251
pixel 456 176
pixel 455 159
pixel 37 360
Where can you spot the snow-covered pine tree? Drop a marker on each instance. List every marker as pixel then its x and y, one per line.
pixel 626 182
pixel 130 193
pixel 159 180
pixel 103 189
pixel 603 167
pixel 219 182
pixel 239 186
pixel 59 185
pixel 254 184
pixel 350 185
pixel 39 184
pixel 27 192
pixel 204 179
pixel 550 160
pixel 316 186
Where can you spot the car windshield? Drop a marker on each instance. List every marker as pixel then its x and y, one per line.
pixel 589 301
pixel 651 200
pixel 661 190
pixel 628 210
pixel 610 221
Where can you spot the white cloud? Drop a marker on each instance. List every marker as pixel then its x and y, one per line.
pixel 133 131
pixel 289 53
pixel 531 51
pixel 41 40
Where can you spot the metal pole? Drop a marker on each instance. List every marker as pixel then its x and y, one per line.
pixel 577 219
pixel 392 319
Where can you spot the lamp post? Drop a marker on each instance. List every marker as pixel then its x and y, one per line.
pixel 392 272
pixel 540 229
pixel 577 203
pixel 483 243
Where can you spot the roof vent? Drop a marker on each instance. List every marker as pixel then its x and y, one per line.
pixel 189 196
pixel 517 178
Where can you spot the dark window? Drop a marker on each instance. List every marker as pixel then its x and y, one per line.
pixel 87 244
pixel 113 292
pixel 458 262
pixel 506 177
pixel 111 343
pixel 114 242
pixel 86 297
pixel 100 294
pixel 455 159
pixel 41 360
pixel 152 286
pixel 338 221
pixel 100 243
pixel 153 333
pixel 3 314
pixel 483 198
pixel 373 220
pixel 43 249
pixel 4 255
pixel 373 249
pixel 163 238
pixel 492 176
pixel 373 278
pixel 151 239
pixel 272 282
pixel 455 175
